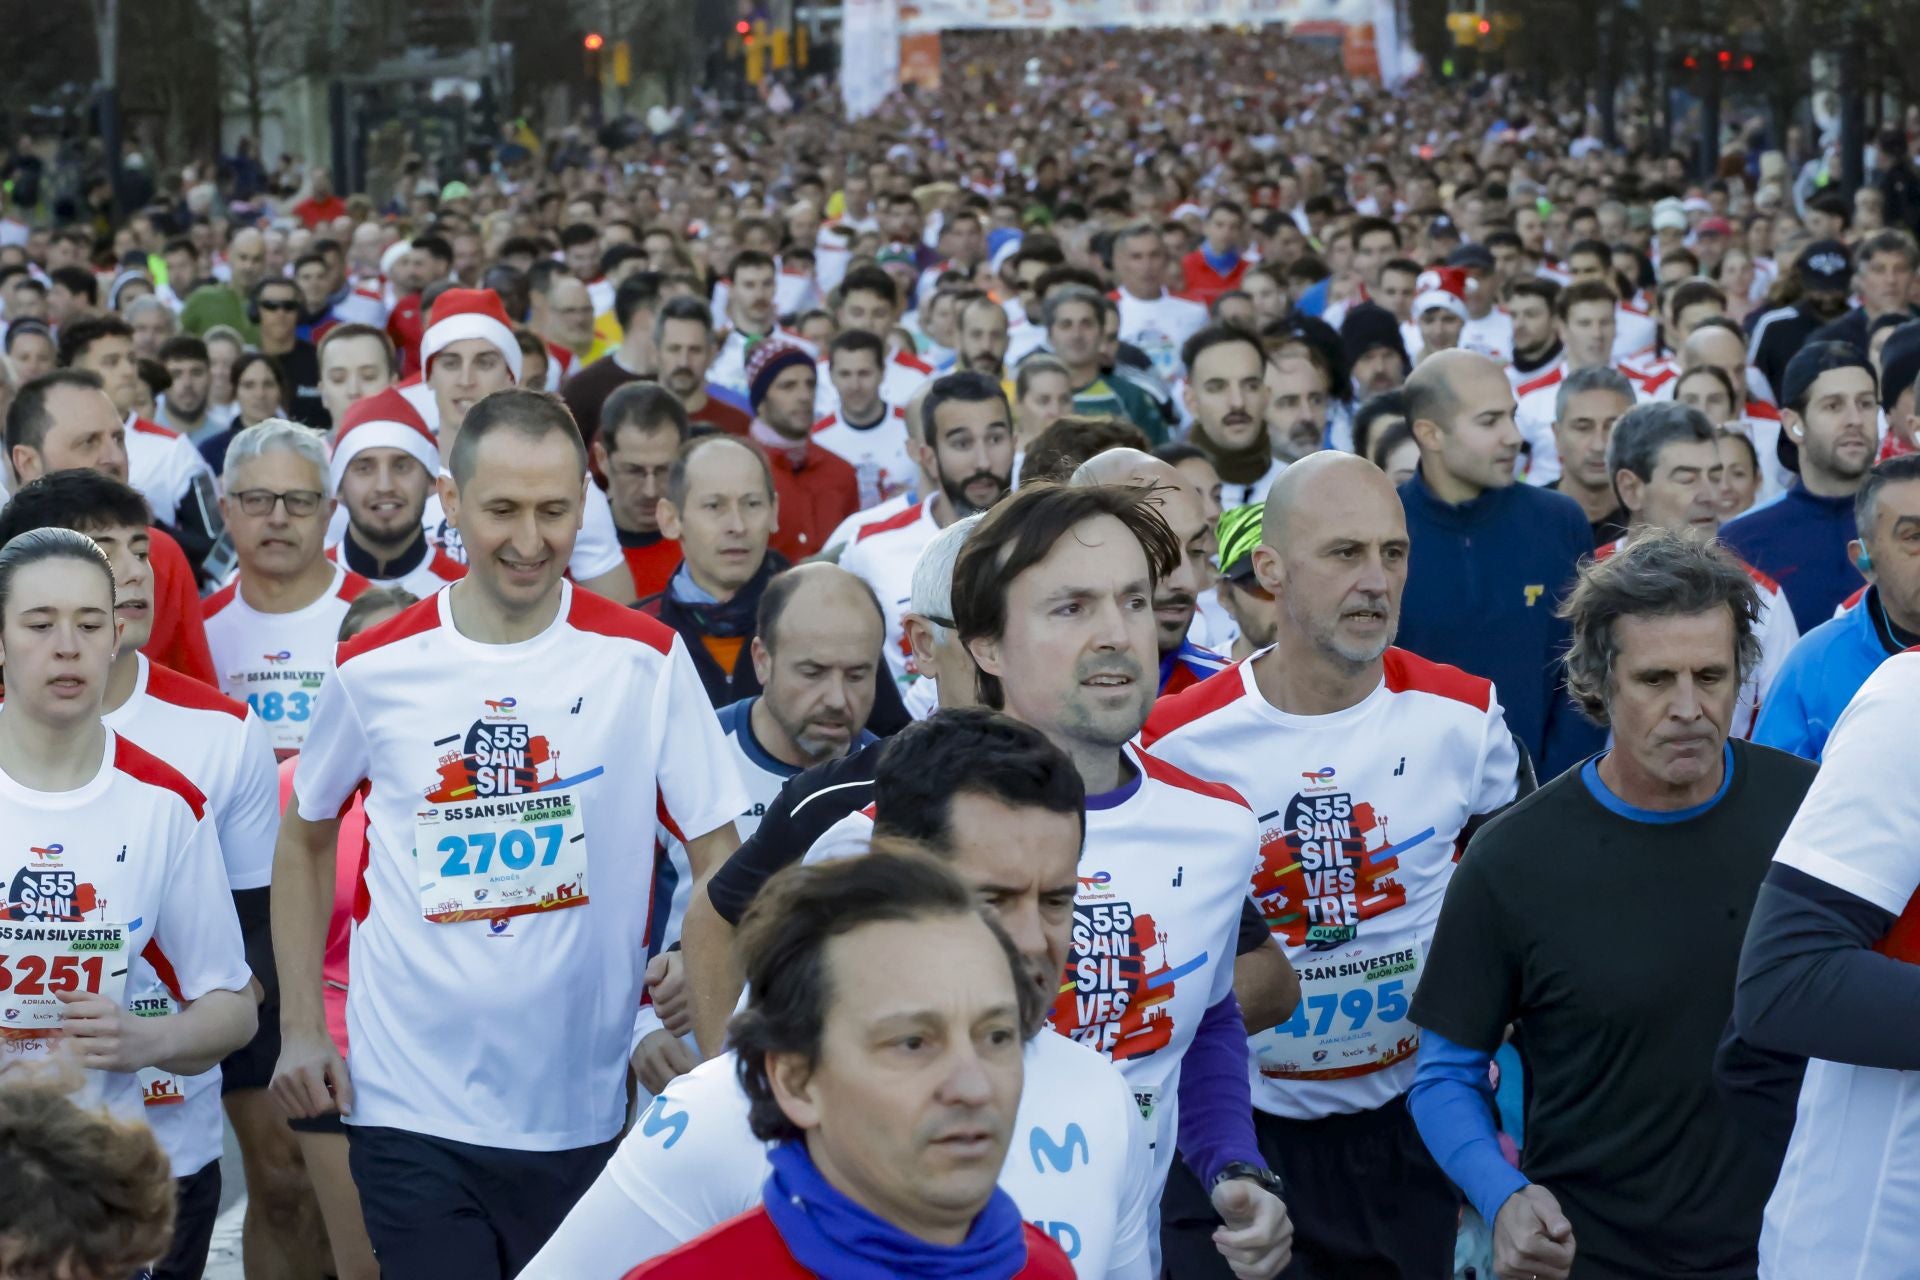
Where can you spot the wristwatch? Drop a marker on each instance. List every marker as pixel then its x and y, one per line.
pixel 1266 1179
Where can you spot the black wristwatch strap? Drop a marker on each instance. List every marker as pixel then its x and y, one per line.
pixel 1266 1179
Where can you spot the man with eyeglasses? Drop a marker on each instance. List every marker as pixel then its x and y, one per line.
pixel 273 629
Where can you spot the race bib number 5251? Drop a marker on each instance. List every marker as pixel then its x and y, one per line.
pixel 40 960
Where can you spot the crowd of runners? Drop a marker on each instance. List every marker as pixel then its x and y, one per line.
pixel 1154 663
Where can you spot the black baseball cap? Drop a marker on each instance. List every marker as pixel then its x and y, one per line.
pixel 1825 267
pixel 1476 256
pixel 1796 383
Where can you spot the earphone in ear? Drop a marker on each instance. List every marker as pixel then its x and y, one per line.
pixel 1864 561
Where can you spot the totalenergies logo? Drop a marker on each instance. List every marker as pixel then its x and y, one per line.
pixel 282 656
pixel 1098 880
pixel 501 706
pixel 1324 774
pixel 50 853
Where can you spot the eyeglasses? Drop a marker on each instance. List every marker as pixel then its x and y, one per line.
pixel 282 304
pixel 260 502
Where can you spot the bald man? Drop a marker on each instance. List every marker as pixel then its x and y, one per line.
pixel 1183 663
pixel 1491 559
pixel 1714 345
pixel 1337 733
pixel 218 304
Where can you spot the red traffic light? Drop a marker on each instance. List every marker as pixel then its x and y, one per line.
pixel 742 27
pixel 594 40
pixel 1746 63
pixel 1486 28
pixel 1726 57
pixel 1691 62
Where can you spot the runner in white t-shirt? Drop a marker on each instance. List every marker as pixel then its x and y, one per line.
pixel 1053 597
pixel 220 747
pixel 116 881
pixel 1157 322
pixel 1003 807
pixel 1829 972
pixel 515 734
pixel 272 629
pixel 865 428
pixel 1367 767
pixel 969 452
pixel 469 352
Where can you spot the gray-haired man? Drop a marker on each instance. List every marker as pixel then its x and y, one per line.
pixel 1587 405
pixel 1616 956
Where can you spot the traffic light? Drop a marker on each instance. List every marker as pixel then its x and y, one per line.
pixel 591 44
pixel 1490 31
pixel 593 41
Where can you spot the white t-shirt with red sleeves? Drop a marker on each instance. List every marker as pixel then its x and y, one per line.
pixel 436 571
pixel 1776 631
pixel 878 452
pixel 277 662
pixel 498 962
pixel 1847 1202
pixel 163 465
pixel 221 748
pixel 1360 813
pixel 1537 402
pixel 106 887
pixel 1160 327
pixel 1491 335
pixel 882 555
pixel 595 552
pixel 843 532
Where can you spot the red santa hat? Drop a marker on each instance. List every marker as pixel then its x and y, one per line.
pixel 469 313
pixel 1443 287
pixel 383 420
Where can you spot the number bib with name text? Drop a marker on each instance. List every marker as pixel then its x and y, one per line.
pixel 506 856
pixel 1352 1015
pixel 38 960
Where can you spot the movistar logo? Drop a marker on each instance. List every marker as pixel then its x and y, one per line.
pixel 1059 1154
pixel 658 1120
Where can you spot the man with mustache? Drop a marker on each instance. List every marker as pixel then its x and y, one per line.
pixel 683 341
pixel 1326 729
pixel 1226 392
pixel 1829 415
pixel 967 447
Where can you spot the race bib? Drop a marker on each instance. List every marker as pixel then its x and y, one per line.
pixel 38 960
pixel 157 1088
pixel 1351 1019
pixel 281 693
pixel 506 856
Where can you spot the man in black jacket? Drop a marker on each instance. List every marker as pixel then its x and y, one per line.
pixel 1826 276
pixel 1883 275
pixel 720 507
